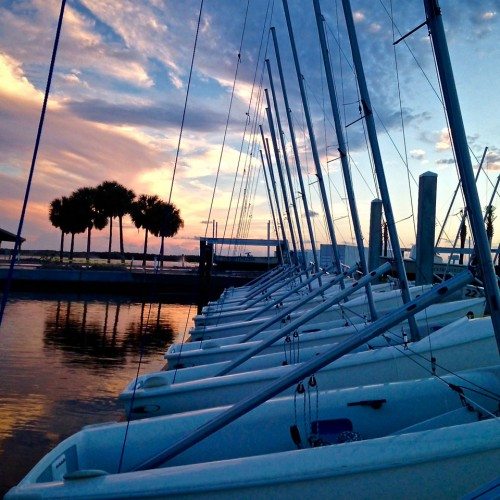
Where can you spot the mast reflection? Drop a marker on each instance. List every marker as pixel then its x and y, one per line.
pixel 107 332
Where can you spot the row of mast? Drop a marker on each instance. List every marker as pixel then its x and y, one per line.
pixel 283 168
pixel 376 328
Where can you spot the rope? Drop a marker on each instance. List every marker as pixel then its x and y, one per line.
pixel 228 117
pixel 185 102
pixel 405 352
pixel 17 243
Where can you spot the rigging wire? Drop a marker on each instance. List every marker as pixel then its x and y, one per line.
pixel 17 244
pixel 136 382
pixel 248 155
pixel 257 116
pixel 345 197
pixel 436 93
pixel 247 121
pixel 185 102
pixel 403 123
pixel 253 196
pixel 182 343
pixel 407 350
pixel 228 117
pixel 315 183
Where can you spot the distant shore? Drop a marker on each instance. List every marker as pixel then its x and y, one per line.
pixel 53 256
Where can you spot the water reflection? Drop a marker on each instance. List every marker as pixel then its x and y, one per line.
pixel 105 333
pixel 64 362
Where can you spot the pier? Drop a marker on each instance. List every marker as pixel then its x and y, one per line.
pixel 182 283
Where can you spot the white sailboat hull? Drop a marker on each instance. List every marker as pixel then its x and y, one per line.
pixel 254 456
pixel 413 470
pixel 434 317
pixel 462 345
pixel 384 303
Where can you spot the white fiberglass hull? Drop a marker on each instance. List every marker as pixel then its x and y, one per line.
pixel 461 345
pixel 384 303
pixel 239 313
pixel 372 411
pixel 434 317
pixel 437 464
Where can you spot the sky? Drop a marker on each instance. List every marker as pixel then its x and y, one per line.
pixel 120 83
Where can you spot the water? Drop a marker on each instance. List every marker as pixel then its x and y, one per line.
pixel 64 360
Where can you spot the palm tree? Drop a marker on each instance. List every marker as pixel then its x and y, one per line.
pixel 169 224
pixel 93 215
pixel 114 200
pixel 143 212
pixel 58 216
pixel 77 219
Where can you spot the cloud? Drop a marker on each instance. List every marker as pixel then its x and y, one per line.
pixel 160 115
pixel 15 85
pixel 444 140
pixel 417 154
pixel 358 16
pixel 493 159
pixel 120 83
pixel 488 16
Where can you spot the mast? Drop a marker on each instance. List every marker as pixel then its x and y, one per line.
pixel 280 172
pixel 295 150
pixel 285 158
pixel 273 185
pixel 346 171
pixel 452 105
pixel 377 160
pixel 271 205
pixel 312 139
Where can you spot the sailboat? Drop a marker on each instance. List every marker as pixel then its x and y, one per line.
pixel 372 441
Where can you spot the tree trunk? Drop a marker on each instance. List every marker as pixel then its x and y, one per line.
pixel 61 250
pixel 110 238
pixel 89 229
pixel 122 251
pixel 72 247
pixel 161 251
pixel 145 249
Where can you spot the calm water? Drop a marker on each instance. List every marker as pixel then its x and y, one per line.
pixel 65 360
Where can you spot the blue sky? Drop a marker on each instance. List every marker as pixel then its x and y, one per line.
pixel 120 83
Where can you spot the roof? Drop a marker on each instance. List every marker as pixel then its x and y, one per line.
pixel 8 236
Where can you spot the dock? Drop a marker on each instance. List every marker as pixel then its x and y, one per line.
pixel 169 282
